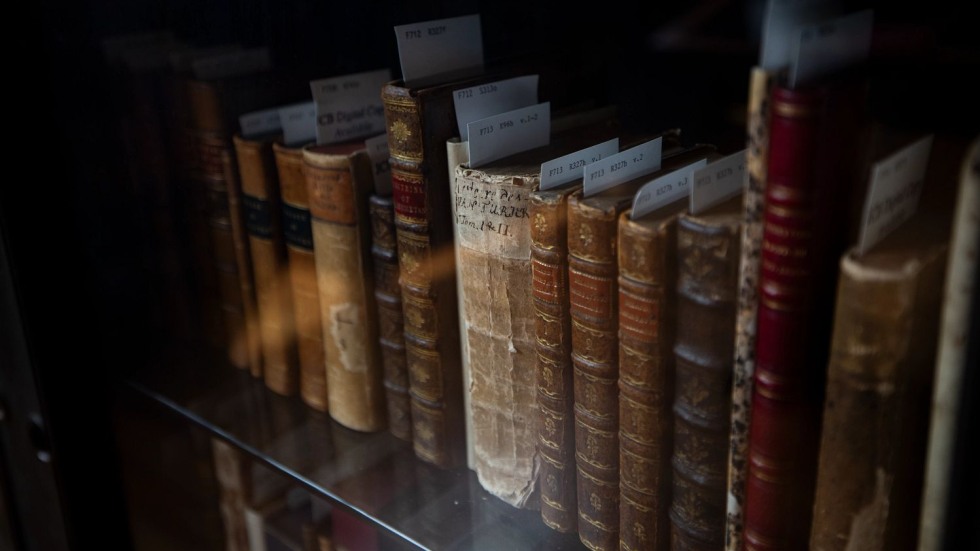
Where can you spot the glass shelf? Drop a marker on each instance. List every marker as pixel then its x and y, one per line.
pixel 374 475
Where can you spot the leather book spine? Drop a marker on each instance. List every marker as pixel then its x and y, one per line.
pixel 797 277
pixel 391 336
pixel 593 304
pixel 418 125
pixel 298 234
pixel 879 381
pixel 753 199
pixel 707 277
pixel 494 262
pixel 647 275
pixel 245 346
pixel 263 209
pixel 339 186
pixel 553 347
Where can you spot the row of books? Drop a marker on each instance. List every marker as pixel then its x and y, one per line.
pixel 677 378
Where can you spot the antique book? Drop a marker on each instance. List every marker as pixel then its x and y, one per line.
pixel 212 110
pixel 298 234
pixel 593 305
pixel 879 381
pixel 947 421
pixel 232 472
pixel 420 117
pixel 496 317
pixel 814 134
pixel 761 82
pixel 553 345
pixel 263 216
pixel 388 297
pixel 457 153
pixel 707 287
pixel 647 273
pixel 245 346
pixel 339 181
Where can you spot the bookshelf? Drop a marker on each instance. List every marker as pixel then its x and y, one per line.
pixel 79 294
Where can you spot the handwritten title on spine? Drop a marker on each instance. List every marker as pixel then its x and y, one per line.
pixel 440 46
pixel 893 196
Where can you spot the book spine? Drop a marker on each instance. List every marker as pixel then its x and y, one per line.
pixel 951 362
pixel 707 259
pixel 245 348
pixel 457 153
pixel 494 263
pixel 594 312
pixel 427 273
pixel 263 215
pixel 553 347
pixel 753 199
pixel 207 197
pixel 390 320
pixel 338 188
pixel 871 460
pixel 298 234
pixel 647 274
pixel 784 426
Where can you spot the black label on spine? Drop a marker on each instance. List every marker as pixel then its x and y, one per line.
pixel 258 217
pixel 296 226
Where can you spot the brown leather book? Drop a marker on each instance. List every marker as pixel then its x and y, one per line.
pixel 391 337
pixel 647 304
pixel 553 345
pixel 245 348
pixel 879 384
pixel 707 287
pixel 339 181
pixel 263 215
pixel 420 117
pixel 298 234
pixel 593 304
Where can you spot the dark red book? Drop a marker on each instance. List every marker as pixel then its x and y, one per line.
pixel 814 138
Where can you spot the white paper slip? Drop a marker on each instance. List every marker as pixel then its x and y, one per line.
pixel 232 63
pixel 261 122
pixel 485 100
pixel 828 47
pixel 718 181
pixel 349 106
pixel 782 20
pixel 432 47
pixel 663 190
pixel 298 123
pixel 621 167
pixel 508 133
pixel 377 148
pixel 566 168
pixel 893 195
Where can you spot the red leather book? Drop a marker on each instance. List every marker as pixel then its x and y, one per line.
pixel 810 161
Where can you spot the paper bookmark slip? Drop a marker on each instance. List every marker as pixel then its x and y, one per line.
pixel 485 100
pixel 666 189
pixel 621 167
pixel 298 123
pixel 433 47
pixel 718 181
pixel 349 106
pixel 261 122
pixel 508 133
pixel 566 168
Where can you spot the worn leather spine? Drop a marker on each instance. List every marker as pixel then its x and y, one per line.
pixel 594 312
pixel 263 209
pixel 419 121
pixel 647 276
pixel 391 335
pixel 490 205
pixel 879 383
pixel 707 278
pixel 339 182
pixel 553 346
pixel 298 234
